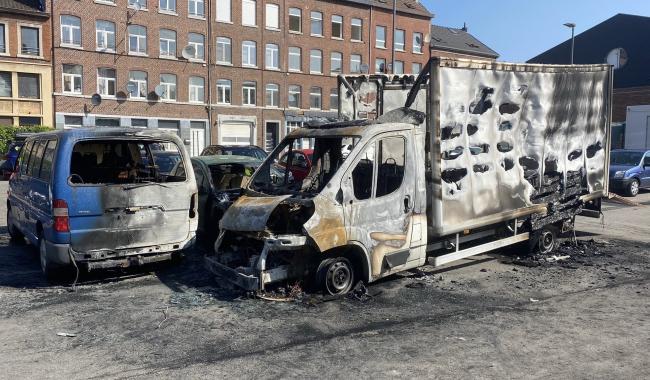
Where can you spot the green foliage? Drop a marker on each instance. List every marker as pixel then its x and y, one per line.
pixel 8 133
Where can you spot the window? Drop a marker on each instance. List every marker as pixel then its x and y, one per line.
pixel 167 43
pixel 399 40
pixel 25 152
pixel 355 63
pixel 70 30
pixel 224 50
pixel 139 123
pixel 48 158
pixel 248 93
pixel 168 83
pixel 416 68
pixel 249 53
pixel 316 24
pixel 336 62
pixel 5 84
pixel 362 174
pixel 380 36
pixel 30 41
pixel 272 57
pixel 272 16
pixel 399 67
pixel 294 96
pixel 29 86
pixel 141 3
pixel 140 80
pixel 337 26
pixel 390 159
pixel 316 61
pixel 334 99
pixel 315 98
pixel 295 60
pixel 72 122
pixel 197 89
pixel 224 10
pixel 248 12
pixel 272 95
pixel 168 6
pixel 357 29
pixel 295 20
pixel 197 41
pixel 106 81
pixel 196 8
pixel 3 38
pixel 34 168
pixel 224 87
pixel 72 75
pixel 417 42
pixel 105 32
pixel 137 39
pixel 380 65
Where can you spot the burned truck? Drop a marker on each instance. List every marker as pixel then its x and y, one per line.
pixel 466 158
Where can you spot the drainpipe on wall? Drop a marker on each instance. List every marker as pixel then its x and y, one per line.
pixel 371 36
pixel 52 62
pixel 209 79
pixel 392 65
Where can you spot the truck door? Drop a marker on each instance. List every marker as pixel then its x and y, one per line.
pixel 645 174
pixel 378 196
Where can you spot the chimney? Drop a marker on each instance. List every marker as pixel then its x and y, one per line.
pixel 464 28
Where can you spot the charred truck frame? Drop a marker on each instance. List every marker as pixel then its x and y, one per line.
pixel 466 158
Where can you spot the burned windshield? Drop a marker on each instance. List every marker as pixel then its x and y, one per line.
pixel 303 165
pixel 125 161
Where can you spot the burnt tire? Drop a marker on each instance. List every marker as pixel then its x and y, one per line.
pixel 14 233
pixel 335 276
pixel 632 189
pixel 547 240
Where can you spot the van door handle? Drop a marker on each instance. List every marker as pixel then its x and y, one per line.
pixel 407 204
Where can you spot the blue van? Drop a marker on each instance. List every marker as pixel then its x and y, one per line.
pixel 98 198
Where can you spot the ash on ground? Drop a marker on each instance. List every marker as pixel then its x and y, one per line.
pixel 568 253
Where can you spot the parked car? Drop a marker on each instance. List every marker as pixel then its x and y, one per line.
pixel 300 162
pixel 10 158
pixel 97 198
pixel 629 170
pixel 235 150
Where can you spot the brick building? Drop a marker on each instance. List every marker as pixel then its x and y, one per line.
pixel 253 68
pixel 25 63
pixel 458 43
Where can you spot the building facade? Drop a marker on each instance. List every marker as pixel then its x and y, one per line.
pixel 25 63
pixel 222 71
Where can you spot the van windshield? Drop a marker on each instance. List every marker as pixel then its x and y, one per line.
pixel 302 165
pixel 126 161
pixel 625 158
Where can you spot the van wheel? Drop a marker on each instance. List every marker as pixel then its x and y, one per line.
pixel 50 271
pixel 547 241
pixel 14 233
pixel 633 188
pixel 335 276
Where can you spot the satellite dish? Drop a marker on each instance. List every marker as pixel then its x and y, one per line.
pixel 159 90
pixel 427 38
pixel 188 52
pixel 96 99
pixel 617 58
pixel 364 68
pixel 132 87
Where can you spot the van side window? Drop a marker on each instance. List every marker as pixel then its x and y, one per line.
pixel 48 158
pixel 362 174
pixel 35 158
pixel 200 178
pixel 24 156
pixel 390 158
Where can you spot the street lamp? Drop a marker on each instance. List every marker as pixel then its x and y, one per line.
pixel 573 27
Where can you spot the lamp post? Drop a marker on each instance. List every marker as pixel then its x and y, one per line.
pixel 573 27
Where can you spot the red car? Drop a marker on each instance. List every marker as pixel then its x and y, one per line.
pixel 300 163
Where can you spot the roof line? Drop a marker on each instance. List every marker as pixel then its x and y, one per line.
pixel 468 52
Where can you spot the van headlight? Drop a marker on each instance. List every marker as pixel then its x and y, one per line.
pixel 619 174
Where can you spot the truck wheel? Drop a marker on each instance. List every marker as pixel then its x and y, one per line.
pixel 335 276
pixel 14 233
pixel 633 188
pixel 50 271
pixel 547 240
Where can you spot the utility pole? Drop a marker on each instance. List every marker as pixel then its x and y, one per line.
pixel 392 65
pixel 573 27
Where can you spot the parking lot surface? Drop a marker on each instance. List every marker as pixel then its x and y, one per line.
pixel 499 315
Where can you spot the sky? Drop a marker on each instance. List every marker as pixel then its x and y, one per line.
pixel 519 30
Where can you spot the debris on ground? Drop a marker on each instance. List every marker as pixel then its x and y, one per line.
pixel 566 253
pixel 533 300
pixel 360 293
pixel 191 298
pixel 66 334
pixel 289 293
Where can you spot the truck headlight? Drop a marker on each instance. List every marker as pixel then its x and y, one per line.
pixel 619 174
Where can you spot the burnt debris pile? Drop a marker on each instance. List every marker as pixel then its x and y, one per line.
pixel 568 253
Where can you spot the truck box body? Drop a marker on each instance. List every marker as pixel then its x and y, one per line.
pixel 637 127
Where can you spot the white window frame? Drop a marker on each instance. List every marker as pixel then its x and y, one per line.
pixel 272 21
pixel 377 61
pixel 318 56
pixel 221 45
pixel 419 66
pixel 221 91
pixel 299 70
pixel 356 22
pixel 340 27
pixel 105 37
pixel 131 4
pixel 141 40
pixel 166 8
pixel 168 86
pixel 167 42
pixel 340 62
pixel 400 63
pixel 248 47
pixel 141 83
pixel 71 78
pixel 380 43
pixel 417 48
pixel 299 15
pixel 196 46
pixel 192 13
pixel 19 28
pixel 246 94
pixel 274 89
pixel 106 81
pixel 69 31
pixel 399 46
pixel 272 57
pixel 244 5
pixel 334 93
pixel 6 38
pixel 196 89
pixel 319 94
pixel 352 60
pixel 291 90
pixel 224 11
pixel 316 16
